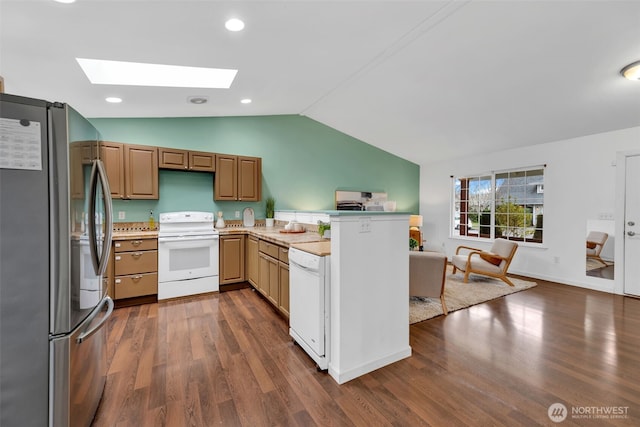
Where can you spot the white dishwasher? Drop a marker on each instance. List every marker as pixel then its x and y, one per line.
pixel 309 279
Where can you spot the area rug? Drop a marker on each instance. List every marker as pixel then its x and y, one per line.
pixel 593 264
pixel 458 295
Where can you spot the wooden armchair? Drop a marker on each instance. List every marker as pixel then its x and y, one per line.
pixel 494 263
pixel 595 243
pixel 427 275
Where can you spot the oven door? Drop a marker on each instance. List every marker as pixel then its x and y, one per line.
pixel 187 257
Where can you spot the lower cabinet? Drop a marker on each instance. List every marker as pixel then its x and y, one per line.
pixel 231 258
pixel 252 258
pixel 135 268
pixel 273 274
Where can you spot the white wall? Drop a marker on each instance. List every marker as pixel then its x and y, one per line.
pixel 580 180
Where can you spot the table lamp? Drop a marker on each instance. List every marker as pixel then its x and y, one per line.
pixel 415 222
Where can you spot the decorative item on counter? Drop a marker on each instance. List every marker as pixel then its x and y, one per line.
pixel 152 221
pixel 270 210
pixel 413 244
pixel 293 227
pixel 220 221
pixel 248 217
pixel 324 229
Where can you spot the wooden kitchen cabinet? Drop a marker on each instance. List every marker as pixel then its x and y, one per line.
pixel 141 169
pixel 132 170
pixel 112 155
pixel 273 274
pixel 238 178
pixel 199 161
pixel 232 252
pixel 283 288
pixel 252 261
pixel 135 268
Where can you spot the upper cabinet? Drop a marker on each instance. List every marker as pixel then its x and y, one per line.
pixel 132 170
pixel 238 178
pixel 171 158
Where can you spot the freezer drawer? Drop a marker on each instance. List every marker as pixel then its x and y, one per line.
pixel 79 369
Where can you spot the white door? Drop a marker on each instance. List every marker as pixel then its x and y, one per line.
pixel 632 226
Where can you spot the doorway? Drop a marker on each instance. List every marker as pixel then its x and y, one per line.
pixel 631 227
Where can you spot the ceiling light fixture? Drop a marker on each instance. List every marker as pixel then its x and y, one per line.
pixel 198 99
pixel 245 101
pixel 631 71
pixel 104 72
pixel 113 99
pixel 234 24
pixel 65 1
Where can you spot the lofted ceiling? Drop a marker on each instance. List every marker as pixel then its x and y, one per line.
pixel 425 80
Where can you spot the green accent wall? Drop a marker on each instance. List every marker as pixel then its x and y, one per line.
pixel 303 163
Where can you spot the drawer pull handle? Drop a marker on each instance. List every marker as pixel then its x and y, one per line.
pixel 136 242
pixel 118 281
pixel 118 258
pixel 136 255
pixel 118 245
pixel 136 278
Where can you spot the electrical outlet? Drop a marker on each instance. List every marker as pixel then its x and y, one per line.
pixel 365 225
pixel 121 215
pixel 237 214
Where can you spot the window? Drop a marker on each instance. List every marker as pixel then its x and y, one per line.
pixel 508 204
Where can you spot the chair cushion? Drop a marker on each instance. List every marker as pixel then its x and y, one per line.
pixel 489 257
pixel 477 264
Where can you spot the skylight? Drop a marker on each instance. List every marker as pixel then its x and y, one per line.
pixel 103 72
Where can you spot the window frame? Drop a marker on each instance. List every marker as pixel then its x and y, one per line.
pixel 524 231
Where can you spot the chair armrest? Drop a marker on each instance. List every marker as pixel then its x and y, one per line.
pixel 466 247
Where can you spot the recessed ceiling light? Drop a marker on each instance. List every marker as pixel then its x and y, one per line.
pixel 104 72
pixel 234 24
pixel 245 101
pixel 113 99
pixel 198 99
pixel 631 71
pixel 65 1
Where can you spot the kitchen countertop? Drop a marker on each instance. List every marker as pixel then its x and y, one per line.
pixel 273 235
pixel 322 248
pixel 135 234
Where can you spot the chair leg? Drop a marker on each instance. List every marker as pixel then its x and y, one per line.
pixel 507 281
pixel 454 270
pixel 444 305
pixel 466 276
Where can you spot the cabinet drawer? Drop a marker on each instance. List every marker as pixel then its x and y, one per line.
pixel 283 255
pixel 135 245
pixel 135 262
pixel 136 285
pixel 269 248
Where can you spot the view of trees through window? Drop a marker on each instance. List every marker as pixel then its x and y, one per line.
pixel 503 204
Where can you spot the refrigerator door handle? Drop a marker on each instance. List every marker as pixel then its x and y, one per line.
pixel 86 334
pixel 108 224
pixel 100 262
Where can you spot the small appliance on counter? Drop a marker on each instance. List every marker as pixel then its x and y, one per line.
pixel 248 217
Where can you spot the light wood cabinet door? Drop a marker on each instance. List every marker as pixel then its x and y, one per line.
pixel 202 162
pixel 252 261
pixel 231 259
pixel 225 185
pixel 171 158
pixel 112 155
pixel 249 178
pixel 283 283
pixel 273 293
pixel 77 171
pixel 141 167
pixel 263 273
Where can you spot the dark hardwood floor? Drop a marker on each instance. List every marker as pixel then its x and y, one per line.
pixel 226 360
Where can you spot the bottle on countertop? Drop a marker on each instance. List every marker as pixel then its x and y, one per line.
pixel 152 221
pixel 220 222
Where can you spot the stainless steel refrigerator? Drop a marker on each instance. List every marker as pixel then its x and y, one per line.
pixel 55 237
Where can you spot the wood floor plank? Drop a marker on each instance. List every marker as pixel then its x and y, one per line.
pixel 226 359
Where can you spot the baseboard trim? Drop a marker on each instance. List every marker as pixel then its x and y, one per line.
pixel 343 377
